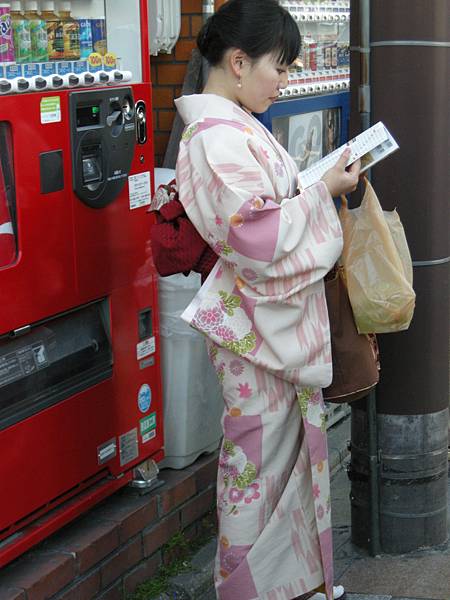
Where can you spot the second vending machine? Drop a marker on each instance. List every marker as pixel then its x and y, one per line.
pixel 80 392
pixel 311 117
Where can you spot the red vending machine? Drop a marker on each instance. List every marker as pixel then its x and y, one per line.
pixel 80 393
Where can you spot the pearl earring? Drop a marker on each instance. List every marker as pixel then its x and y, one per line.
pixel 239 83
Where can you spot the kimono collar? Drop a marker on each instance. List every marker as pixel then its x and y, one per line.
pixel 196 107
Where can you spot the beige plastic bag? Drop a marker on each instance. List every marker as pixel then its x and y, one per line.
pixel 377 265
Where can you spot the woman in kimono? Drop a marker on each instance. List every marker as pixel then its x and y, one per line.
pixel 262 308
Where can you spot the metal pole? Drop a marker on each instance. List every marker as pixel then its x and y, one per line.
pixel 374 474
pixel 362 48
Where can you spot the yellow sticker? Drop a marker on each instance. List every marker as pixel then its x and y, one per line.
pixel 95 61
pixel 110 61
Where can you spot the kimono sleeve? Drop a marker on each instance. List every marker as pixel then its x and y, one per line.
pixel 227 184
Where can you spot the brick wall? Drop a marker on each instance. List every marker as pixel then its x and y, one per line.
pixel 108 552
pixel 168 71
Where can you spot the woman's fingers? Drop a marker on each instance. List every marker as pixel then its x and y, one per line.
pixel 355 167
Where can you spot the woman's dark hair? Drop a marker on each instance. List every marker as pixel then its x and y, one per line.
pixel 257 27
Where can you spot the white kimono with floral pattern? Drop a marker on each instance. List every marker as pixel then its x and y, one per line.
pixel 264 313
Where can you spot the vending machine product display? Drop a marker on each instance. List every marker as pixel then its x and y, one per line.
pixel 310 119
pixel 324 62
pixel 80 390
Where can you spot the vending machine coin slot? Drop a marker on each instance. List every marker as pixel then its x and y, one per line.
pixel 116 118
pixel 92 166
pixel 141 122
pixel 103 142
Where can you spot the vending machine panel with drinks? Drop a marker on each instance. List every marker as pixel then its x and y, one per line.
pixel 80 391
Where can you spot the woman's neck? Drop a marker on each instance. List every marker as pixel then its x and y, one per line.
pixel 219 84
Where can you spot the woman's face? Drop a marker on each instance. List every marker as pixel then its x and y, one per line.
pixel 262 81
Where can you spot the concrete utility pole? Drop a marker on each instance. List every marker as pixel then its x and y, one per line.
pixel 400 70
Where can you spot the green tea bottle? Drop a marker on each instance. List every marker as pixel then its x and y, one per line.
pixel 38 32
pixel 21 33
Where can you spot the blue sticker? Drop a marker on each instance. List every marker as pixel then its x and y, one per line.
pixel 31 70
pixel 80 66
pixel 64 67
pixel 48 68
pixel 13 71
pixel 144 398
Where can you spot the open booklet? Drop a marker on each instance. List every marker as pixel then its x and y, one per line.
pixel 371 146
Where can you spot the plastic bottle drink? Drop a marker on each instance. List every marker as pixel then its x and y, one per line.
pixel 6 35
pixel 99 36
pixel 38 32
pixel 55 37
pixel 21 32
pixel 71 32
pixel 86 46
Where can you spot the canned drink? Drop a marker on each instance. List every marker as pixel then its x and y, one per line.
pixel 98 30
pixel 86 47
pixel 6 35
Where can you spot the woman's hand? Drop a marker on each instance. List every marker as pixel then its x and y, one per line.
pixel 338 180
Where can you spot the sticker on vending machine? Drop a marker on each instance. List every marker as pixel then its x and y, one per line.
pixel 147 427
pixel 128 446
pixel 106 451
pixel 147 362
pixel 144 397
pixel 139 190
pixel 145 348
pixel 50 109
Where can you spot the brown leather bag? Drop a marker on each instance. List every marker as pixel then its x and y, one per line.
pixel 354 355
